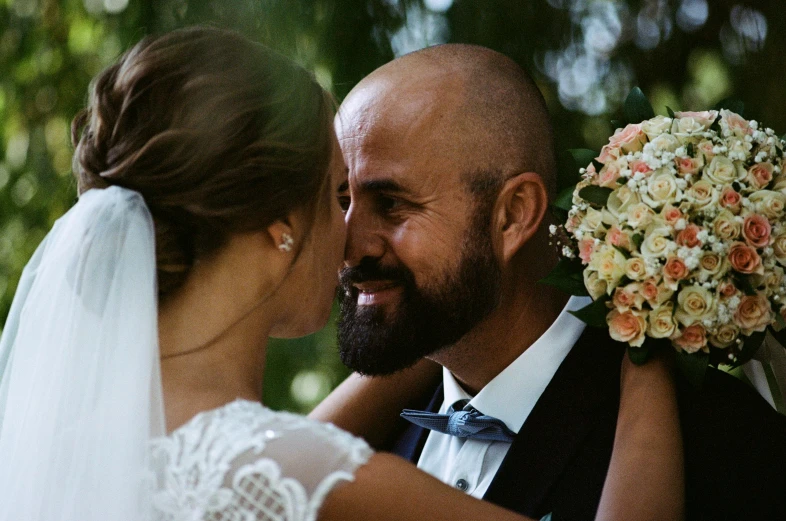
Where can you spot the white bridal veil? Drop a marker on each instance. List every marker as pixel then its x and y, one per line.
pixel 80 385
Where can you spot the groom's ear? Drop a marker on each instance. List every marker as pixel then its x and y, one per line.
pixel 521 206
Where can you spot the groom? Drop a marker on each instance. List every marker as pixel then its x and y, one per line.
pixel 451 168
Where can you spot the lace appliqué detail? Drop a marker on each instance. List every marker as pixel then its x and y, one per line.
pixel 243 462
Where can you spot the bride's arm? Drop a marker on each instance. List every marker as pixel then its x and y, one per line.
pixel 369 407
pixel 646 475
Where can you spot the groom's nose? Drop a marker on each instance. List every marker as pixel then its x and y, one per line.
pixel 364 236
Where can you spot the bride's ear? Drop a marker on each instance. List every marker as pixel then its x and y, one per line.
pixel 521 206
pixel 282 235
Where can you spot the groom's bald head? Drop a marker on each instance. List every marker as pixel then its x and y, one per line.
pixel 474 103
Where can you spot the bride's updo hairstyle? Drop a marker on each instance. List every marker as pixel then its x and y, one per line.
pixel 220 135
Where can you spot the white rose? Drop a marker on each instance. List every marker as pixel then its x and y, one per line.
pixel 661 189
pixel 640 216
pixel 656 126
pixel 723 171
pixel 702 194
pixel 695 304
pixel 689 126
pixel 666 143
pixel 592 221
pixel 657 241
pixel 661 321
pixel 725 336
pixel 636 268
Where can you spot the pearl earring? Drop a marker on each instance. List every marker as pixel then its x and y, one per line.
pixel 287 243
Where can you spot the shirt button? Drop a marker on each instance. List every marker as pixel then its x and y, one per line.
pixel 462 485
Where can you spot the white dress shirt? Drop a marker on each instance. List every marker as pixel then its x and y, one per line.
pixel 471 465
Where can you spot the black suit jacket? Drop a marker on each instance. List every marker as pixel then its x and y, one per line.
pixel 735 443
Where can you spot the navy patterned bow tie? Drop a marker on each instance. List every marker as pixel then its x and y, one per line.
pixel 471 424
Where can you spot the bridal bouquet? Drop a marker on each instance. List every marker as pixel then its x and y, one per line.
pixel 677 230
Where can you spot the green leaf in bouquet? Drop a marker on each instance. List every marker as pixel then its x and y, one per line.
pixel 744 283
pixel 693 366
pixel 637 239
pixel 637 107
pixel 670 112
pixel 595 194
pixel 691 150
pixel 735 105
pixel 567 170
pixel 567 275
pixel 779 335
pixel 564 200
pixel 639 355
pixel 625 253
pixel 594 314
pixel 750 345
pixel 780 323
pixel 582 157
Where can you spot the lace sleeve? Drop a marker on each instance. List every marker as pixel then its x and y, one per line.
pixel 244 462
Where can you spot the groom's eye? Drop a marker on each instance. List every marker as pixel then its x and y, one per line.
pixel 387 204
pixel 344 201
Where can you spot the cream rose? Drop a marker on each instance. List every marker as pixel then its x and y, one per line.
pixel 726 227
pixel 610 265
pixel 596 287
pixel 779 248
pixel 635 268
pixel 627 326
pixel 666 142
pixel 712 266
pixel 656 126
pixel 702 194
pixel 592 221
pixel 725 336
pixel 723 171
pixel 661 189
pixel 695 303
pixel 640 216
pixel 704 118
pixel 692 339
pixel 657 241
pixel 769 203
pixel 687 125
pixel 661 321
pixel 621 199
pixel 753 314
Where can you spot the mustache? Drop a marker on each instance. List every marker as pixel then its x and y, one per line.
pixel 371 269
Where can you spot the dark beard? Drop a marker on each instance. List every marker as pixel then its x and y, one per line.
pixel 426 320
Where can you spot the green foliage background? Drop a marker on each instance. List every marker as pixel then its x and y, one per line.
pixel 585 55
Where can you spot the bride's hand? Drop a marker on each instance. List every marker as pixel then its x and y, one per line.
pixel 646 476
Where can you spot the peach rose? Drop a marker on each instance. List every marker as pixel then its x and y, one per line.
pixel 639 167
pixel 756 229
pixel 692 339
pixel 727 289
pixel 689 165
pixel 618 238
pixel 608 176
pixel 731 199
pixel 760 174
pixel 725 336
pixel 689 236
pixel 627 326
pixel 754 313
pixel 735 122
pixel 671 214
pixel 628 297
pixel 744 259
pixel 629 139
pixel 675 270
pixel 655 294
pixel 586 248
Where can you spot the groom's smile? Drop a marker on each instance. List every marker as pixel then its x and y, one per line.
pixel 377 292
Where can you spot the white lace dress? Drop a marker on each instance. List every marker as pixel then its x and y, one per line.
pixel 244 462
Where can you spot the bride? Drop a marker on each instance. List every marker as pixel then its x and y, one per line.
pixel 133 356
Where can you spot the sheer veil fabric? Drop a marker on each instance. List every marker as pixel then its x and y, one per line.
pixel 80 385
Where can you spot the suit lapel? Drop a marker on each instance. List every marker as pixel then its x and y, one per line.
pixel 562 418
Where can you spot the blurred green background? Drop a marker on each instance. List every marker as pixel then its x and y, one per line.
pixel 585 55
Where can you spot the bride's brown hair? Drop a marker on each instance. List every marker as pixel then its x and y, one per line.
pixel 220 135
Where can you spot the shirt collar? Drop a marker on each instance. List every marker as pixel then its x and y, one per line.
pixel 512 394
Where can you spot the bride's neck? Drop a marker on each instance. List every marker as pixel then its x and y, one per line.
pixel 212 341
